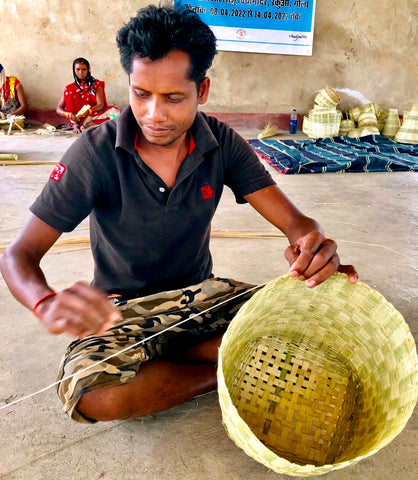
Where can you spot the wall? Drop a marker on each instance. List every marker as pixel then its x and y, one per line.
pixel 367 47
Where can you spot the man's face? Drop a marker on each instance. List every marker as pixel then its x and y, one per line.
pixel 163 99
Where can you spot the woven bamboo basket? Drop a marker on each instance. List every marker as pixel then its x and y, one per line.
pixel 319 108
pixel 327 97
pixel 392 123
pixel 383 115
pixel 312 380
pixel 371 108
pixel 354 114
pixel 381 119
pixel 345 126
pixel 322 123
pixel 354 133
pixel 369 130
pixel 367 119
pixel 408 132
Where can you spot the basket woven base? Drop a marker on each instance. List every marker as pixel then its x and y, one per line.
pixel 299 406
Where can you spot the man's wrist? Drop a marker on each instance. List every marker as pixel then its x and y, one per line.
pixel 40 301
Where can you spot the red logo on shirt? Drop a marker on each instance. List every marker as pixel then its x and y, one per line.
pixel 207 192
pixel 58 172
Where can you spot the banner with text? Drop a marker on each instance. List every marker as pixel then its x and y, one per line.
pixel 260 26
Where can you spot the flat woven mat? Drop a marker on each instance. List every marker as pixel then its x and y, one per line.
pixel 372 153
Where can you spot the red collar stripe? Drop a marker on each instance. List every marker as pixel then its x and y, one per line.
pixel 191 143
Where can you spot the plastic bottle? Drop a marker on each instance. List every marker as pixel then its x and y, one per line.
pixel 293 122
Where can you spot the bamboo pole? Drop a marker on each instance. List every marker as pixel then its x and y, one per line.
pixel 8 156
pixel 5 163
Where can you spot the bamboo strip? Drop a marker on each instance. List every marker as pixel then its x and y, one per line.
pixel 9 156
pixel 85 241
pixel 18 126
pixel 6 121
pixel 4 163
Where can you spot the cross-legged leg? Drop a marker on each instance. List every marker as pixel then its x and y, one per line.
pixel 158 386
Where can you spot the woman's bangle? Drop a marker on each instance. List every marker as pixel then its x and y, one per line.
pixel 48 295
pixel 67 115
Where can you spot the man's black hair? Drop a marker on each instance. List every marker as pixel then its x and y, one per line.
pixel 89 79
pixel 156 31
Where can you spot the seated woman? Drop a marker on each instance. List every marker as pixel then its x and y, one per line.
pixel 12 99
pixel 84 101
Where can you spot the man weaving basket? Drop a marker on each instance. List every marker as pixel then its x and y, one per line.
pixel 151 181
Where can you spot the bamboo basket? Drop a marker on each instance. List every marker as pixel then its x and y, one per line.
pixel 369 130
pixel 345 126
pixel 371 108
pixel 355 133
pixel 312 380
pixel 408 132
pixel 392 123
pixel 354 114
pixel 327 97
pixel 322 124
pixel 367 119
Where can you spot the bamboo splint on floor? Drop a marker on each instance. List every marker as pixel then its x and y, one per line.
pixel 6 162
pixel 13 120
pixel 85 241
pixel 9 157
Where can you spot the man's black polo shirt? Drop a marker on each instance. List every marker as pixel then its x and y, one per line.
pixel 146 238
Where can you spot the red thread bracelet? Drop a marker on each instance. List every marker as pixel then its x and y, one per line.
pixel 48 295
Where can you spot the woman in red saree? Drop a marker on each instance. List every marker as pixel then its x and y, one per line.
pixel 12 99
pixel 83 102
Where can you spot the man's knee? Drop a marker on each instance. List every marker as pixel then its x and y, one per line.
pixel 102 405
pixel 206 351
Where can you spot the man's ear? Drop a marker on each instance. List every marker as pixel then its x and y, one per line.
pixel 204 91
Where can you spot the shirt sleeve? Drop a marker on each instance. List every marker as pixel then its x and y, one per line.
pixel 69 194
pixel 244 172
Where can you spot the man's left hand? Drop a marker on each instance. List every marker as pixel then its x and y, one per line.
pixel 314 258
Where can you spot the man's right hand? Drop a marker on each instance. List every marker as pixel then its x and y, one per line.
pixel 79 310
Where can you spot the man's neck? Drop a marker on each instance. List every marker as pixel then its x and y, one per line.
pixel 164 160
pixel 176 151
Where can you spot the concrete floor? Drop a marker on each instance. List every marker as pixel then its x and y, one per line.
pixel 372 215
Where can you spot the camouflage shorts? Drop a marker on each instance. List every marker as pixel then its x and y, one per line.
pixel 143 318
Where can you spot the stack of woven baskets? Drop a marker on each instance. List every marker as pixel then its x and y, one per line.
pixel 324 119
pixel 312 380
pixel 370 119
